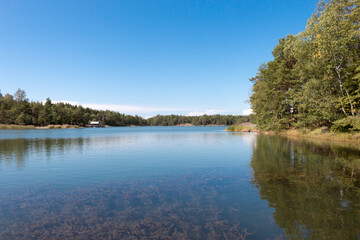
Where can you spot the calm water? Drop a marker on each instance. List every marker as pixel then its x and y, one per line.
pixel 175 183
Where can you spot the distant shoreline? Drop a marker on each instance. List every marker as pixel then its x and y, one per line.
pixel 24 127
pixel 192 125
pixel 66 126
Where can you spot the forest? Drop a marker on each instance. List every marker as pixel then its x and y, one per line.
pixel 17 109
pixel 313 80
pixel 171 120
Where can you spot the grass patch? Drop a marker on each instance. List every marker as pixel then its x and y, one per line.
pixel 64 126
pixel 24 127
pixel 17 127
pixel 241 128
pixel 323 134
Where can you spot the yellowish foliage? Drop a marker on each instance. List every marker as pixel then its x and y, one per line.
pixel 318 55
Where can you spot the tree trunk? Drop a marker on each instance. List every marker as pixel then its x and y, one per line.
pixel 344 88
pixel 338 93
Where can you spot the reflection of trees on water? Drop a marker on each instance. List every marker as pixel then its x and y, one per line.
pixel 313 188
pixel 18 150
pixel 176 207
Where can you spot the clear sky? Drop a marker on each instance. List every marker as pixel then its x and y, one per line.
pixel 143 57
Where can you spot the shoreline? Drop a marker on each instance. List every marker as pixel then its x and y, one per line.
pixel 324 136
pixel 25 127
pixel 317 134
pixel 67 126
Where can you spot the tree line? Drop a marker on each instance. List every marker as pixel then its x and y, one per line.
pixel 17 109
pixel 314 77
pixel 171 120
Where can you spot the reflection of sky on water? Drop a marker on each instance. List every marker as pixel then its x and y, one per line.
pixel 112 131
pixel 104 155
pixel 196 183
pixel 200 175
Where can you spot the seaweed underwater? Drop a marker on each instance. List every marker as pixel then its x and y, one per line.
pixel 183 207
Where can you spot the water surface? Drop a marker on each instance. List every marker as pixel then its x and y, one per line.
pixel 175 183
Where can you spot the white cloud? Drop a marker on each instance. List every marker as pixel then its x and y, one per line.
pixel 247 111
pixel 207 112
pixel 146 111
pixel 124 108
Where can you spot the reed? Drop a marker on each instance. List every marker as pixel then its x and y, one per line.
pixel 18 127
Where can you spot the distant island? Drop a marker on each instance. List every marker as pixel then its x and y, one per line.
pixel 17 112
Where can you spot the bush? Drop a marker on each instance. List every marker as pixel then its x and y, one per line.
pixel 348 124
pixel 242 128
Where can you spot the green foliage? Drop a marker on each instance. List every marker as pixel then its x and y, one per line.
pixel 349 124
pixel 172 120
pixel 20 111
pixel 313 79
pixel 241 128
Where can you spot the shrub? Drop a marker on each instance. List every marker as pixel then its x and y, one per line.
pixel 241 128
pixel 348 124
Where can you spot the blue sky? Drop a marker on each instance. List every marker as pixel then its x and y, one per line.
pixel 143 57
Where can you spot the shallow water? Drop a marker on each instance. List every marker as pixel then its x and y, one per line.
pixel 175 183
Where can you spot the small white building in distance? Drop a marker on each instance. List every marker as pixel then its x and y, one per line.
pixel 95 124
